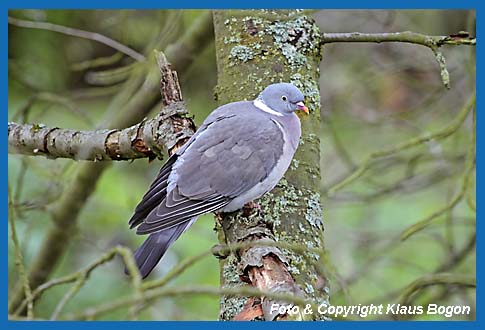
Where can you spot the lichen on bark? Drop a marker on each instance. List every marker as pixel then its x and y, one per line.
pixel 256 48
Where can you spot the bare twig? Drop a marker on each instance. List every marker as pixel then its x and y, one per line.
pixel 469 167
pixel 110 76
pixel 19 259
pixel 78 33
pixel 97 62
pixel 435 279
pixel 440 134
pixel 432 42
pixel 462 38
pixel 80 277
pixel 457 257
pixel 23 112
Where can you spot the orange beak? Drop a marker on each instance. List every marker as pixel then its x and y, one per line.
pixel 301 106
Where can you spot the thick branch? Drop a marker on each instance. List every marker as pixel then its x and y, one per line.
pixel 145 139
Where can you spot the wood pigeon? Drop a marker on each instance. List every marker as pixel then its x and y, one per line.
pixel 239 153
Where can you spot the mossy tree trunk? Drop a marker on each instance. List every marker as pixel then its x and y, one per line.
pixel 254 49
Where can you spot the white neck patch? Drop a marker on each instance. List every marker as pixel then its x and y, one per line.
pixel 261 106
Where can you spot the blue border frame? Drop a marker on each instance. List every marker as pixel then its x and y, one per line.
pixel 152 4
pixel 194 4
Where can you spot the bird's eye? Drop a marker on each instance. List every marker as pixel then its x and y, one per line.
pixel 284 98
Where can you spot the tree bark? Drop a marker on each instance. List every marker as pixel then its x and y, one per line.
pixel 254 49
pixel 148 138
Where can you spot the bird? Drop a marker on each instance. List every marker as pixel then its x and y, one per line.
pixel 239 153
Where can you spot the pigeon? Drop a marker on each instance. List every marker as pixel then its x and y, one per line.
pixel 239 153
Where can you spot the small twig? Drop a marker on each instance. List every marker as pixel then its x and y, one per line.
pixel 19 259
pixel 70 293
pixel 151 295
pixel 110 76
pixel 92 92
pixel 432 42
pixel 440 134
pixel 339 146
pixel 81 276
pixel 421 224
pixel 471 202
pixel 78 33
pixel 462 38
pixel 459 256
pixel 435 279
pixel 97 62
pixel 469 166
pixel 64 101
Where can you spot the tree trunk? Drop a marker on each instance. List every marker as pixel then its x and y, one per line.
pixel 254 49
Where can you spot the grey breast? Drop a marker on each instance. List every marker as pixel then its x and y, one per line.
pixel 289 127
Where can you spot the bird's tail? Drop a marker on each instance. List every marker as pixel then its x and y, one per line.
pixel 152 250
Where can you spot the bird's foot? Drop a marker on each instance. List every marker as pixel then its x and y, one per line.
pixel 219 217
pixel 249 207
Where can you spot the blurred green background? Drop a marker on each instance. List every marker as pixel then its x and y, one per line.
pixel 373 96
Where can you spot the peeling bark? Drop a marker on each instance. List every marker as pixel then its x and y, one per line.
pixel 152 138
pixel 254 49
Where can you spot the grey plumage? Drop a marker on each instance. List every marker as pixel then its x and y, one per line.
pixel 239 153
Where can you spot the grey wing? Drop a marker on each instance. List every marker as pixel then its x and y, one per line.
pixel 158 189
pixel 230 156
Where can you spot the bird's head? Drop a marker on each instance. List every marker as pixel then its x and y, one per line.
pixel 283 98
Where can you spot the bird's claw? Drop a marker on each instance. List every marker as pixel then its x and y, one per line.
pixel 249 207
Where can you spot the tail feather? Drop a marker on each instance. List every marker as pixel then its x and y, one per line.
pixel 152 250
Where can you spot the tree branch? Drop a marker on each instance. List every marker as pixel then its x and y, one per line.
pixel 80 277
pixel 461 38
pixel 19 259
pixel 435 279
pixel 150 138
pixel 432 42
pixel 78 33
